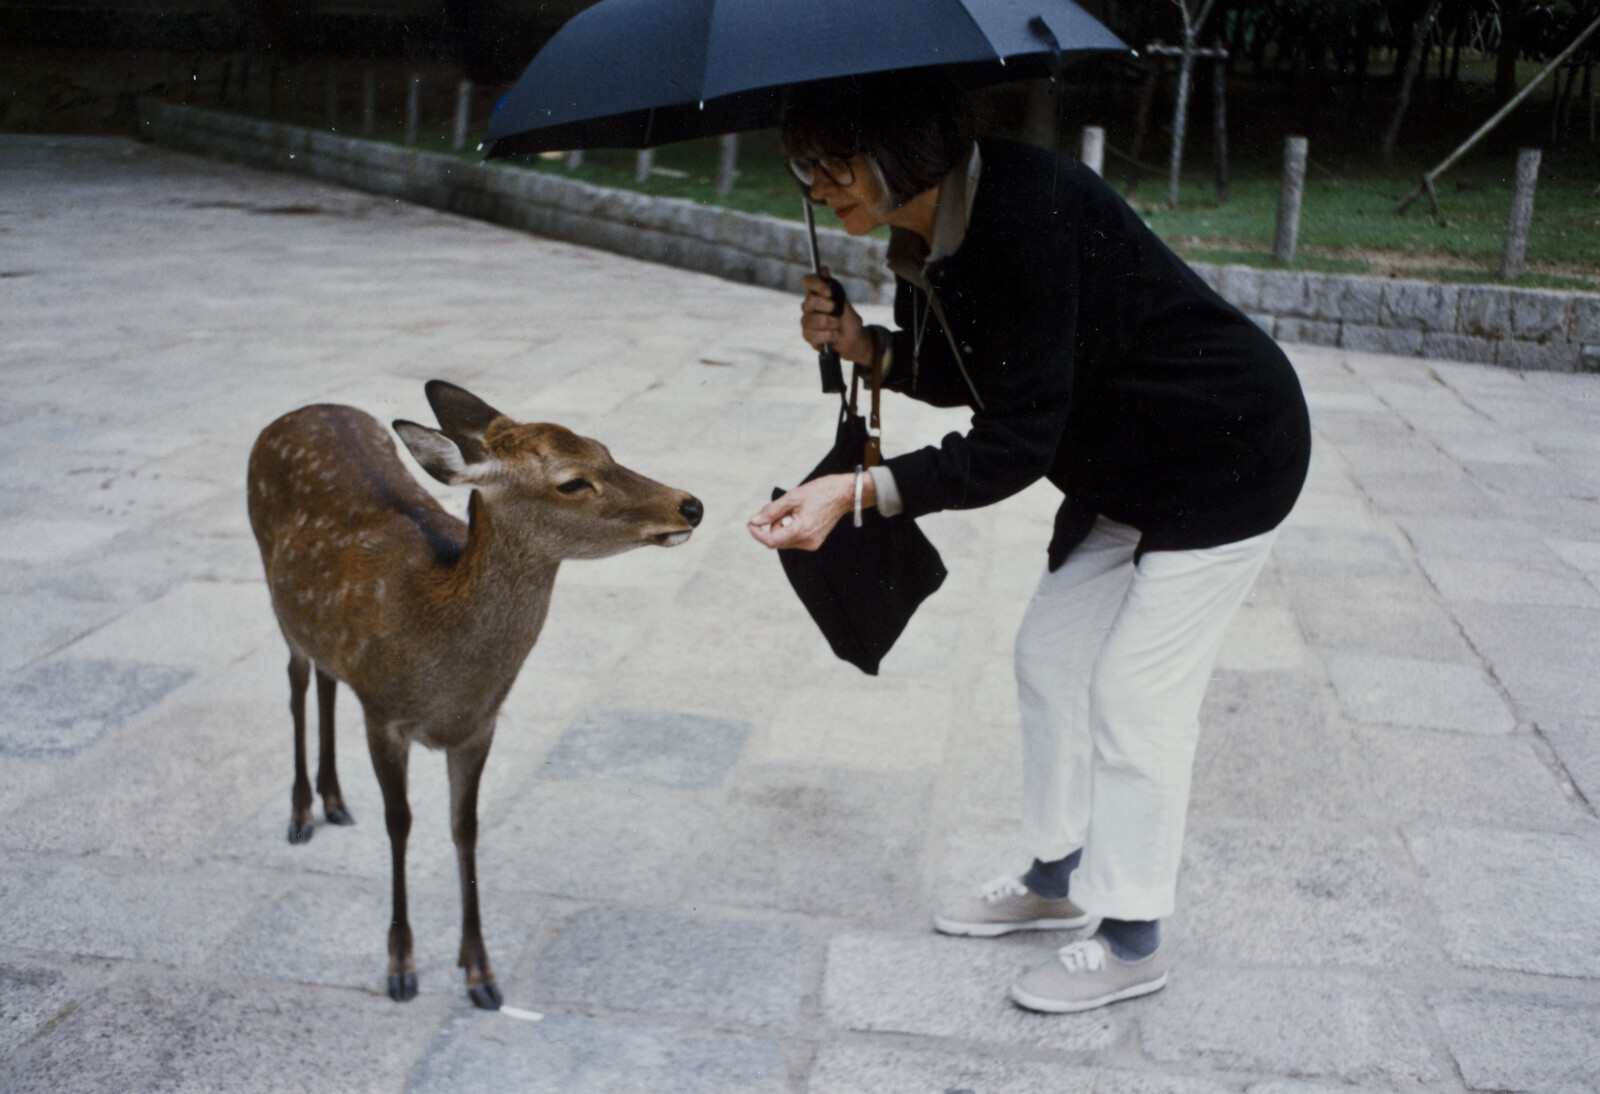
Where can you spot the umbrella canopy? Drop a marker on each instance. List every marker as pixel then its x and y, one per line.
pixel 638 73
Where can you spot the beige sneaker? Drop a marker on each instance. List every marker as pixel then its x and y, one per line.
pixel 1005 905
pixel 1086 974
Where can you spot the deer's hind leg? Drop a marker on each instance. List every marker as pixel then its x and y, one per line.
pixel 300 827
pixel 333 806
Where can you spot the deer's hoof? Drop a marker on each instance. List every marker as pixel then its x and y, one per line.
pixel 300 831
pixel 485 996
pixel 339 815
pixel 402 986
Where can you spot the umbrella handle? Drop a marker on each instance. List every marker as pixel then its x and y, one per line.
pixel 827 357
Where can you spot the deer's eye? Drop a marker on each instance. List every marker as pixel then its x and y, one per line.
pixel 572 486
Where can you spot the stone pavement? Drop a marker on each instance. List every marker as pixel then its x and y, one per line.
pixel 709 851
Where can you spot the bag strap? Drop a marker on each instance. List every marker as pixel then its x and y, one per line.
pixel 873 455
pixel 872 452
pixel 955 350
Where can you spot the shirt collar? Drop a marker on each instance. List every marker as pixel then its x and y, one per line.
pixel 909 255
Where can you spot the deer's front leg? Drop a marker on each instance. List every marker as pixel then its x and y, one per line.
pixel 390 751
pixel 466 768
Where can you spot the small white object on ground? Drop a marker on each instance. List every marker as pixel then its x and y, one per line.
pixel 525 1015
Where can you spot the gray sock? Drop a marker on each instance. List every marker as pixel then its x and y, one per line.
pixel 1131 939
pixel 1049 879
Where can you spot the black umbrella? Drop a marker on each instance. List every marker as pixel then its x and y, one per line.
pixel 639 73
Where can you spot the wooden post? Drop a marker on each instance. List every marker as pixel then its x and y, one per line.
pixel 727 164
pixel 1219 126
pixel 574 159
pixel 1294 181
pixel 458 140
pixel 224 80
pixel 243 102
pixel 166 74
pixel 333 97
pixel 642 165
pixel 369 102
pixel 413 109
pixel 300 80
pixel 1521 218
pixel 269 101
pixel 1093 149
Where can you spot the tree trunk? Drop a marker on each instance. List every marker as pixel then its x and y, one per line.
pixel 1413 62
pixel 1505 63
pixel 1180 118
pixel 1141 121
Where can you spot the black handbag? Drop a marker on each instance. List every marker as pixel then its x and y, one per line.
pixel 863 584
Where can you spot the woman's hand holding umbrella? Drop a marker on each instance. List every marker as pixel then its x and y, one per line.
pixel 820 327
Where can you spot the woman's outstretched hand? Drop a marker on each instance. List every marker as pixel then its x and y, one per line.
pixel 820 327
pixel 805 515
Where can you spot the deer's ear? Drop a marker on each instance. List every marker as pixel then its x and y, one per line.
pixel 463 416
pixel 437 453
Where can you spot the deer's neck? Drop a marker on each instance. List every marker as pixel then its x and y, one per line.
pixel 503 580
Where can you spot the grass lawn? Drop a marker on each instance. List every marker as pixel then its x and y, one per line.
pixel 1347 220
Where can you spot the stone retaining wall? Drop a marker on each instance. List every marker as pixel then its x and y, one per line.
pixel 1517 328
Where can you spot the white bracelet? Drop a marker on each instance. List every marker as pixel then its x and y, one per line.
pixel 858 494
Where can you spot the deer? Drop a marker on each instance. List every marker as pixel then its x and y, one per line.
pixel 427 618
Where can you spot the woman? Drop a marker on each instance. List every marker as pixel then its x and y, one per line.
pixel 1092 356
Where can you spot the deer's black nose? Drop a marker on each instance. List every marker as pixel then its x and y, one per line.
pixel 691 510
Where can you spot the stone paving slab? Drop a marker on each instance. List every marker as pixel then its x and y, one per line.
pixel 1405 691
pixel 1458 779
pixel 587 841
pixel 188 1034
pixel 638 748
pixel 648 961
pixel 573 1054
pixel 729 885
pixel 1271 752
pixel 1334 894
pixel 1522 1042
pixel 1543 655
pixel 329 932
pixel 1333 1023
pixel 827 842
pixel 954 988
pixel 1476 877
pixel 872 1069
pixel 1377 617
pixel 1577 742
pixel 31 995
pixel 111 908
pixel 60 708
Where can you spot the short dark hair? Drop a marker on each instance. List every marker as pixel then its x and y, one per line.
pixel 916 125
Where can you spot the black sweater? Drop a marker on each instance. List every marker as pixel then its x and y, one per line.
pixel 1103 363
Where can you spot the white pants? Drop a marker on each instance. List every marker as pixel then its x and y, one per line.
pixel 1112 664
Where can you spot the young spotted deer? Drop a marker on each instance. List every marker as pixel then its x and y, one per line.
pixel 428 619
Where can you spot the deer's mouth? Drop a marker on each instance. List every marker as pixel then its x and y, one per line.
pixel 669 539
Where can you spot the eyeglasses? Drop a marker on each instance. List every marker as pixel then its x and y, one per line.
pixel 836 169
